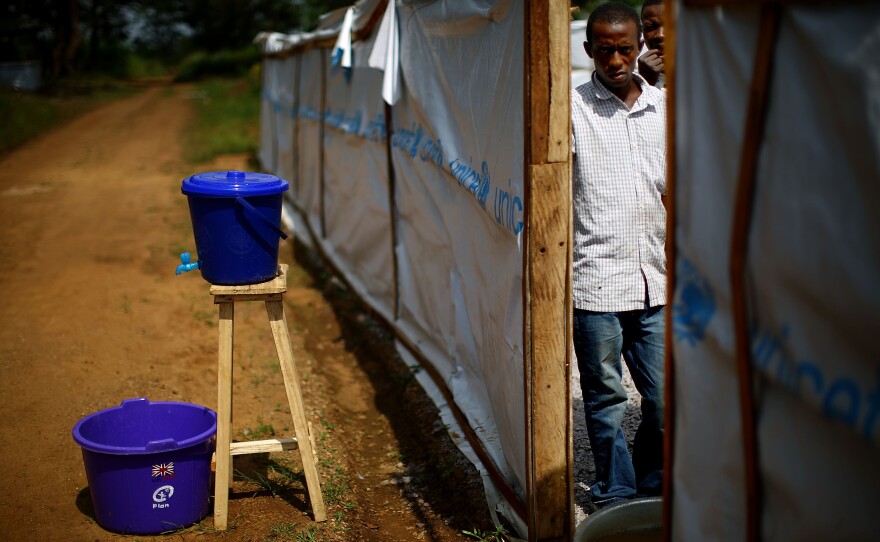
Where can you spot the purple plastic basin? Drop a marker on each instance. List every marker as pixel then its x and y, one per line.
pixel 148 464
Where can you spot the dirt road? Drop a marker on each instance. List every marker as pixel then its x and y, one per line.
pixel 91 222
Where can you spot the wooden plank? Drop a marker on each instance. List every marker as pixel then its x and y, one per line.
pixel 550 496
pixel 278 322
pixel 218 299
pixel 224 417
pixel 258 447
pixel 670 27
pixel 548 81
pixel 276 285
pixel 263 446
pixel 547 274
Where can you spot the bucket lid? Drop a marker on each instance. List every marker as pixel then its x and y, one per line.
pixel 233 184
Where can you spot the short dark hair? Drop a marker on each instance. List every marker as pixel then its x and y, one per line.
pixel 649 3
pixel 613 13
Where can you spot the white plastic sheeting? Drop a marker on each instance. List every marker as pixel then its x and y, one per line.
pixel 812 276
pixel 457 153
pixel 453 198
pixel 357 219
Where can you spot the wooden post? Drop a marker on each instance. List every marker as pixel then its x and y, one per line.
pixel 670 28
pixel 547 273
pixel 224 417
pixel 278 323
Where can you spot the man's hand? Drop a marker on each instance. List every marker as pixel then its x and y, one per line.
pixel 651 65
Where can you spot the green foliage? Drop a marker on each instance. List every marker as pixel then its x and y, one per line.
pixel 224 63
pixel 25 116
pixel 487 536
pixel 262 431
pixel 283 531
pixel 227 117
pixel 308 535
pixel 310 11
pixel 118 61
pixel 334 485
pixel 278 479
pixel 141 66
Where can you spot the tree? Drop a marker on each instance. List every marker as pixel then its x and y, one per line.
pixel 214 25
pixel 42 30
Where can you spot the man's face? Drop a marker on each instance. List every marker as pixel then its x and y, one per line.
pixel 652 26
pixel 614 50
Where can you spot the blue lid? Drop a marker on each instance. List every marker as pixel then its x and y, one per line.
pixel 233 184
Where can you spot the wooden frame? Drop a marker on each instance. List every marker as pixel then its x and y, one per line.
pixel 547 272
pixel 269 292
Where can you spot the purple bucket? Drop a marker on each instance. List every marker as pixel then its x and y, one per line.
pixel 148 464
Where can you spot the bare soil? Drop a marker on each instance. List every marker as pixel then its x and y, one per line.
pixel 91 224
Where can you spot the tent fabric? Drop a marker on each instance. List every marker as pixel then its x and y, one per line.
pixel 309 133
pixel 812 266
pixel 452 199
pixel 356 201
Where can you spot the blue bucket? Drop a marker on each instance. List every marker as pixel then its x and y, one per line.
pixel 148 464
pixel 236 220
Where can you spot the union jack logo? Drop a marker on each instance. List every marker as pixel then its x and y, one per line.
pixel 163 470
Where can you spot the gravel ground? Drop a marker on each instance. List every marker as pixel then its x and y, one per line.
pixel 584 471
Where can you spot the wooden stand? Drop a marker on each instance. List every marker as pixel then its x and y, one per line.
pixel 270 292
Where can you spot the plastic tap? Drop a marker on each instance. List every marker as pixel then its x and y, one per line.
pixel 185 264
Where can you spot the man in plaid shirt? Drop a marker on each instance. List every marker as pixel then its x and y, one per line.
pixel 619 286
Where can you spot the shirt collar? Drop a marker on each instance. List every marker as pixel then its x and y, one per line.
pixel 647 97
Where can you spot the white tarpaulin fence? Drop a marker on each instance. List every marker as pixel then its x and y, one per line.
pixel 432 239
pixel 812 271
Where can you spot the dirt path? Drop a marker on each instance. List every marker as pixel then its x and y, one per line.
pixel 92 220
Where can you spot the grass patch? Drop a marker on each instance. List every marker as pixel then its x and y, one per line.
pixel 278 478
pixel 335 486
pixel 26 116
pixel 227 63
pixel 310 534
pixel 292 531
pixel 486 536
pixel 227 119
pixel 261 432
pixel 283 531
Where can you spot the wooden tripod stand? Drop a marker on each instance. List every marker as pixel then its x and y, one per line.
pixel 271 292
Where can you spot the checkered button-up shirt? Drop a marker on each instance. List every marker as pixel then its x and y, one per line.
pixel 619 219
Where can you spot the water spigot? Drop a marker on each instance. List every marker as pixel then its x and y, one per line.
pixel 185 264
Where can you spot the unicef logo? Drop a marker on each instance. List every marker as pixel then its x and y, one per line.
pixel 163 493
pixel 694 306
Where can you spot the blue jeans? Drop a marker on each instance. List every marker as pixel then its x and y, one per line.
pixel 599 340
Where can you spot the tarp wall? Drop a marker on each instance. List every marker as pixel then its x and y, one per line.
pixel 451 196
pixel 356 190
pixel 812 269
pixel 309 132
